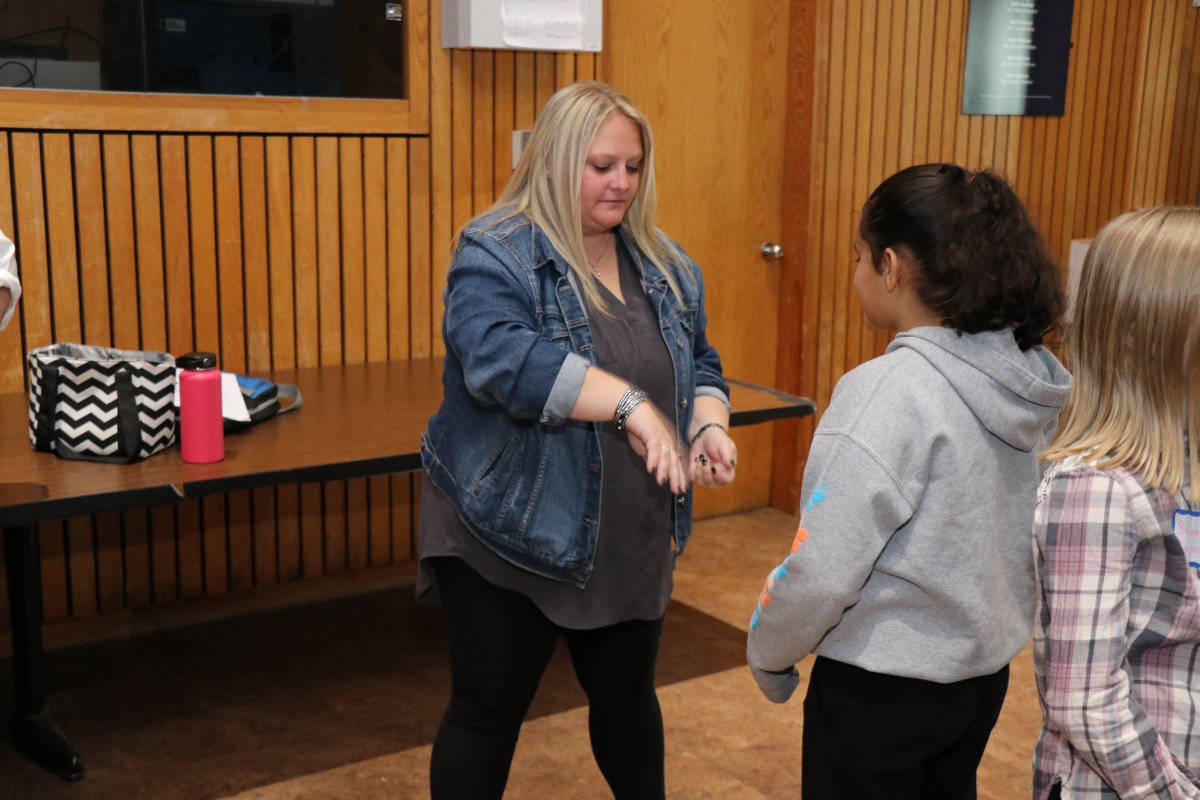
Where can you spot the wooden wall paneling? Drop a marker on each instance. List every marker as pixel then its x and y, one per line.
pixel 957 47
pixel 312 534
pixel 875 136
pixel 1148 110
pixel 432 211
pixel 483 127
pixel 282 282
pixel 304 251
pixel 400 264
pixel 289 543
pixel 1181 173
pixel 353 251
pixel 61 244
pixel 238 528
pixel 117 216
pixel 148 242
pixel 526 96
pixel 336 536
pixel 177 243
pixel 828 129
pixel 404 490
pixel 256 272
pixel 564 67
pixel 1088 58
pixel 358 524
pixel 12 350
pixel 938 57
pixel 1165 88
pixel 907 59
pixel 376 262
pixel 802 165
pixel 462 137
pixel 189 542
pixel 1180 112
pixel 429 251
pixel 504 120
pixel 919 61
pixel 80 574
pixel 108 561
pixel 135 559
pixel 1189 192
pixel 214 543
pixel 266 519
pixel 545 67
pixel 30 231
pixel 329 278
pixel 203 238
pixel 53 538
pixel 379 522
pixel 1114 171
pixel 355 517
pixel 1095 190
pixel 844 200
pixel 160 536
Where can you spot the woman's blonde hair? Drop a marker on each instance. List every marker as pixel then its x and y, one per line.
pixel 1132 346
pixel 545 186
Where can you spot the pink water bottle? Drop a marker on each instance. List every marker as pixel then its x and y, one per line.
pixel 201 427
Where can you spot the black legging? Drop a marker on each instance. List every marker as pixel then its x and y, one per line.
pixel 500 644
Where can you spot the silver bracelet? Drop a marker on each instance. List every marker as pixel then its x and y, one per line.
pixel 633 397
pixel 705 427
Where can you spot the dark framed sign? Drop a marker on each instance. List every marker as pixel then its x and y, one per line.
pixel 1017 57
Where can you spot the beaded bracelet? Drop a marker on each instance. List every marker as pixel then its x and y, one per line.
pixel 705 427
pixel 634 396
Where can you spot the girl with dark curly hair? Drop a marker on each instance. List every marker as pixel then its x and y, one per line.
pixel 911 576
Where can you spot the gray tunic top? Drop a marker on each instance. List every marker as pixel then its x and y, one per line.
pixel 632 574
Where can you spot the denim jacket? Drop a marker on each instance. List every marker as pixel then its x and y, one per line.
pixel 525 478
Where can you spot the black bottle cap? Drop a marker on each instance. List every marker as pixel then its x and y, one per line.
pixel 197 361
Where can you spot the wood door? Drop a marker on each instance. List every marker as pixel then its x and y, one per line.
pixel 711 76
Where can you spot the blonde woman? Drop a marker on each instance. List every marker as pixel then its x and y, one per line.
pixel 1117 526
pixel 581 398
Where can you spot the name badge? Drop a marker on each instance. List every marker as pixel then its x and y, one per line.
pixel 1187 530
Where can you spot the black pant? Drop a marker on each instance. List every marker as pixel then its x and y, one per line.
pixel 868 735
pixel 500 644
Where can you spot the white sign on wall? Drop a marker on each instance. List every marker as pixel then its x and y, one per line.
pixel 555 25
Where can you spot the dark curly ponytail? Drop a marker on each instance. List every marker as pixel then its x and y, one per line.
pixel 983 265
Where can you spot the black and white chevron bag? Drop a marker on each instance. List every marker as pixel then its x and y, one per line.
pixel 101 404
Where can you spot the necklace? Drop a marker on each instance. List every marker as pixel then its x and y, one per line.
pixel 595 265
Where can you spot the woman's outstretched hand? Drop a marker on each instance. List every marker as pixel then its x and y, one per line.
pixel 713 459
pixel 652 437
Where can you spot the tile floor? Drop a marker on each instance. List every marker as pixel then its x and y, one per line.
pixel 339 699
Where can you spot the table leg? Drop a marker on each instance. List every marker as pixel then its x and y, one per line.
pixel 35 733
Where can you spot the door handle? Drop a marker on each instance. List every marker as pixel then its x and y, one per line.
pixel 771 251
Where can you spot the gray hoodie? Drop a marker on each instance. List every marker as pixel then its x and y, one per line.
pixel 914 553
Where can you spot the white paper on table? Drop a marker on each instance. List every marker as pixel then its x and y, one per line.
pixel 233 404
pixel 543 24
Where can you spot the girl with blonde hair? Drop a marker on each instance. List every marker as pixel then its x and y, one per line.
pixel 1117 525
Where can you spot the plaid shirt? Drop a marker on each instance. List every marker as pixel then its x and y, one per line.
pixel 1116 641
